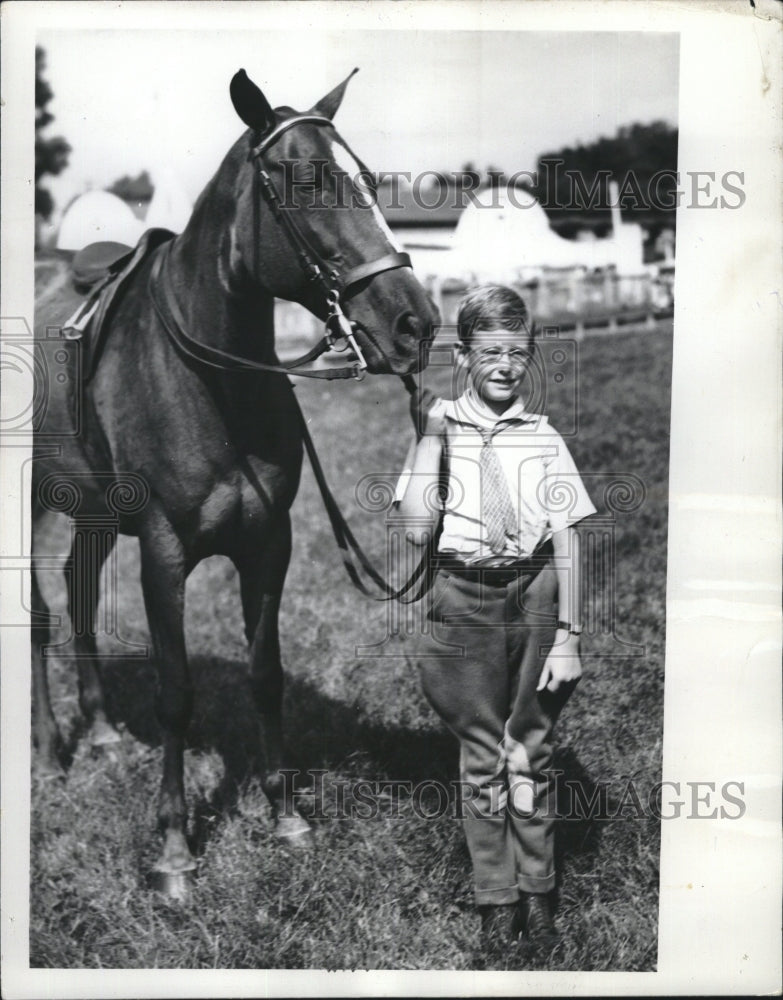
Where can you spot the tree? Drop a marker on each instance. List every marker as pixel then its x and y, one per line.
pixel 139 188
pixel 51 153
pixel 640 158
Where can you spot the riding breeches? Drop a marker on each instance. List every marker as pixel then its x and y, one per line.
pixel 480 654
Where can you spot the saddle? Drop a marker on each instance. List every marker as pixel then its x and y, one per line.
pixel 100 272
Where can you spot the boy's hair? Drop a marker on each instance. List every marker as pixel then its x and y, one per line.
pixel 490 307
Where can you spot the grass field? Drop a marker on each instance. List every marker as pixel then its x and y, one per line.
pixel 390 890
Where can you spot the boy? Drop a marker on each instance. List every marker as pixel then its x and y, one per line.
pixel 501 654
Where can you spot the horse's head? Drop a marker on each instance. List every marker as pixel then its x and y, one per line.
pixel 307 228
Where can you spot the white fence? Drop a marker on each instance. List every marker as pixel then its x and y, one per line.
pixel 569 299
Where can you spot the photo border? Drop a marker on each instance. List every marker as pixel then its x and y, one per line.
pixel 720 879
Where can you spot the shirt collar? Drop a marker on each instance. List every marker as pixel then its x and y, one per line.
pixel 470 409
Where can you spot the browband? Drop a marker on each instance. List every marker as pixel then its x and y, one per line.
pixel 271 137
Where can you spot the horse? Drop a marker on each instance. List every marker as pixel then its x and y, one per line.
pixel 188 428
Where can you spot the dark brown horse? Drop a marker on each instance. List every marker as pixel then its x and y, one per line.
pixel 195 446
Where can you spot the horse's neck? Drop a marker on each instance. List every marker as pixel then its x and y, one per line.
pixel 219 310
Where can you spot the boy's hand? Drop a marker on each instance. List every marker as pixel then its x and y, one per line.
pixel 427 413
pixel 562 668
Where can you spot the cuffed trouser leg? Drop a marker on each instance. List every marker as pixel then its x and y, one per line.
pixel 479 670
pixel 487 697
pixel 470 692
pixel 527 740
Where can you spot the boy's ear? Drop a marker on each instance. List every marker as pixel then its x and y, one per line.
pixel 532 335
pixel 460 360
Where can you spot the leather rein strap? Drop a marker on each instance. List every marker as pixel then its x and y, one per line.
pixel 173 321
pixel 349 547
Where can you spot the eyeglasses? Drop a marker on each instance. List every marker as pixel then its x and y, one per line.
pixel 516 355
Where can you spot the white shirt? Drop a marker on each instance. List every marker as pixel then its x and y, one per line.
pixel 546 491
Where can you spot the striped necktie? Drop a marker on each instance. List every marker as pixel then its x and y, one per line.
pixel 497 509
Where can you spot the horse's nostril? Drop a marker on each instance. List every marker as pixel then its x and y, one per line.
pixel 408 325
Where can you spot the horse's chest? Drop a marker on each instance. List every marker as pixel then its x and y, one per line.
pixel 266 490
pixel 219 509
pixel 245 505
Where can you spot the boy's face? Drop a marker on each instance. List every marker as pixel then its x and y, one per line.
pixel 497 360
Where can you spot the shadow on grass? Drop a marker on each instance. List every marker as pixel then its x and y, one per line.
pixel 321 732
pixel 578 833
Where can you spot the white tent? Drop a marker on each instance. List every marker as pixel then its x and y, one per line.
pixel 504 235
pixel 98 215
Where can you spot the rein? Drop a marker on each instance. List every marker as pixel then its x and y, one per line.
pixel 173 321
pixel 348 545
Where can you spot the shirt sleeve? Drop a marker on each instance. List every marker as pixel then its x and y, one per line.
pixel 565 498
pixel 441 407
pixel 405 475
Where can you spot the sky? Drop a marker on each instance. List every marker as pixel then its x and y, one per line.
pixel 128 100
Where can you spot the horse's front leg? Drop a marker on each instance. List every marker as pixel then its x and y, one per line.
pixel 90 548
pixel 261 582
pixel 45 730
pixel 163 581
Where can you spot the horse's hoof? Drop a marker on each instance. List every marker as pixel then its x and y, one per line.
pixel 173 875
pixel 180 865
pixel 47 767
pixel 177 886
pixel 103 734
pixel 293 831
pixel 49 758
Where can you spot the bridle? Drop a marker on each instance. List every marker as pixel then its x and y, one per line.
pixel 334 287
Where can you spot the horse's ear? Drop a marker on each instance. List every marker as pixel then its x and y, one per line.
pixel 250 104
pixel 328 105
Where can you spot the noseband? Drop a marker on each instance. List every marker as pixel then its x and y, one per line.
pixel 335 287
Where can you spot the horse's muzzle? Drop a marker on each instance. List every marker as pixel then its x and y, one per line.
pixel 409 338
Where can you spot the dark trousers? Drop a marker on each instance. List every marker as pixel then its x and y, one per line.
pixel 480 656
